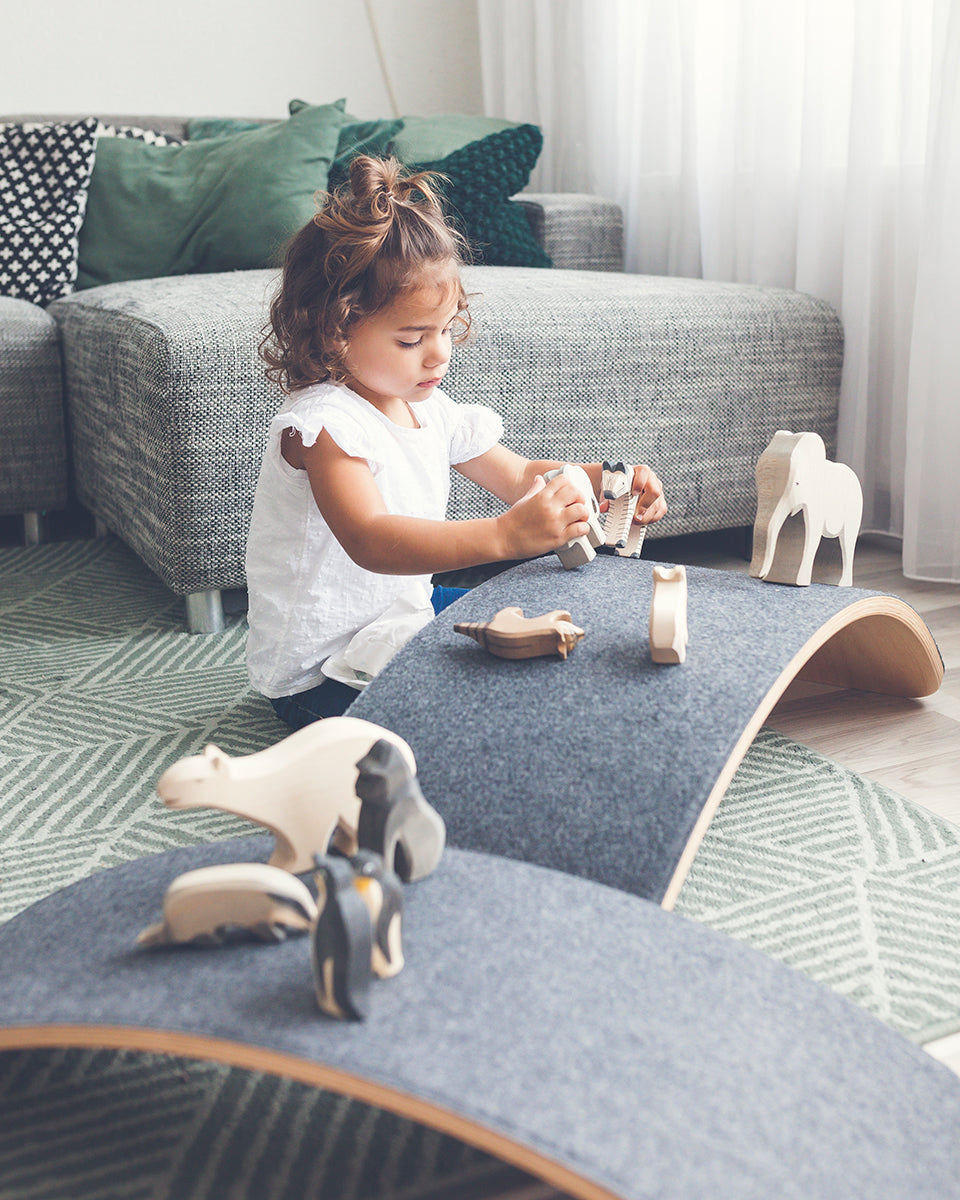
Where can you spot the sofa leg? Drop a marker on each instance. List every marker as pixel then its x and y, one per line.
pixel 205 612
pixel 34 528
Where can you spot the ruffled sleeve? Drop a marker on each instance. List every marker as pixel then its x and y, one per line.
pixel 474 432
pixel 348 431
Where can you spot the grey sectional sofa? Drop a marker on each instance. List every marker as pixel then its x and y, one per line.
pixel 168 409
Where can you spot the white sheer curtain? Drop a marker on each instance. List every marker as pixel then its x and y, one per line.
pixel 810 144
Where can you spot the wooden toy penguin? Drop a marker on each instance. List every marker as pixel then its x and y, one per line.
pixel 341 941
pixel 395 820
pixel 382 893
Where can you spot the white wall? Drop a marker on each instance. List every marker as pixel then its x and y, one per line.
pixel 237 57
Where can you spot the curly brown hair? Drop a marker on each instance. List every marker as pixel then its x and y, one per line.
pixel 370 241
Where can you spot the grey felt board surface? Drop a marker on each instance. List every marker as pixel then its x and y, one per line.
pixel 645 1053
pixel 598 765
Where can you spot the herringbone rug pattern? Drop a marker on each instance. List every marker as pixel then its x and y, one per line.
pixel 839 877
pixel 101 689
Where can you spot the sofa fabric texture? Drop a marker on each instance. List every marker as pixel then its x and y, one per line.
pixel 33 463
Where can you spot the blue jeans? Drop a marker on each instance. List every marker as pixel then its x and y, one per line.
pixel 332 698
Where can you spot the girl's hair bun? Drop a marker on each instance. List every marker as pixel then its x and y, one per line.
pixel 379 234
pixel 379 183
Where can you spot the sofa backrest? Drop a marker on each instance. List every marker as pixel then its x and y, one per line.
pixel 175 126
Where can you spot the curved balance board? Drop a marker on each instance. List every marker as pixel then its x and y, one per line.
pixel 612 1049
pixel 608 765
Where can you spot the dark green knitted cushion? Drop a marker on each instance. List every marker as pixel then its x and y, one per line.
pixel 481 178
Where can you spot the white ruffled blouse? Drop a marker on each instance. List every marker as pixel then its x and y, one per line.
pixel 307 597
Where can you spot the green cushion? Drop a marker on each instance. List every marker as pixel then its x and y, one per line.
pixel 223 203
pixel 426 139
pixel 199 128
pixel 356 137
pixel 481 176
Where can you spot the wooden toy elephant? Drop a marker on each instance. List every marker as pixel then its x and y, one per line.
pixel 794 476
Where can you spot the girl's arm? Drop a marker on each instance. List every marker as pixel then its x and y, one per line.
pixel 350 501
pixel 510 476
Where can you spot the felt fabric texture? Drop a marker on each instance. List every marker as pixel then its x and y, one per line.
pixel 599 765
pixel 641 1052
pixel 222 204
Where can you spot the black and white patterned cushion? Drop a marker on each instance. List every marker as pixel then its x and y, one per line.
pixel 152 137
pixel 44 173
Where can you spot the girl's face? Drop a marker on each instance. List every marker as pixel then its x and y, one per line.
pixel 399 355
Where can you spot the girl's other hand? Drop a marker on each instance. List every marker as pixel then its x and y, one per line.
pixel 647 486
pixel 546 517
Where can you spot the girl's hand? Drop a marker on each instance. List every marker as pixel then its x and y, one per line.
pixel 652 505
pixel 549 515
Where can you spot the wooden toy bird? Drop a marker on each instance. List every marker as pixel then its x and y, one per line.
pixel 512 635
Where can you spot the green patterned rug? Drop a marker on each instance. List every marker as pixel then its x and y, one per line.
pixel 101 689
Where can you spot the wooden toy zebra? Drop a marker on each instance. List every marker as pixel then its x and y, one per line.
pixel 619 530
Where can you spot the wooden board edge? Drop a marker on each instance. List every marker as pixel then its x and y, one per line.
pixel 289 1066
pixel 836 666
pixel 879 644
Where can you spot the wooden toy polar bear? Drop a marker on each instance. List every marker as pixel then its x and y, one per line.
pixel 300 789
pixel 794 476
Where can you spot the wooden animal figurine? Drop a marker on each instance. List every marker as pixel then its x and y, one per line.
pixel 298 788
pixel 382 893
pixel 794 476
pixel 512 635
pixel 395 820
pixel 668 615
pixel 580 550
pixel 619 530
pixel 210 904
pixel 341 941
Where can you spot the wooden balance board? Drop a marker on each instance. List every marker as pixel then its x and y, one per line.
pixel 607 765
pixel 611 1048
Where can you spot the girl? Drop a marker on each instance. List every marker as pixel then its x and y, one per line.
pixel 349 517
